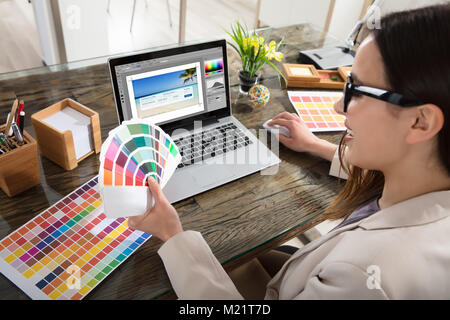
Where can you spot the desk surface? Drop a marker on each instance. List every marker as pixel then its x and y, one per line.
pixel 238 220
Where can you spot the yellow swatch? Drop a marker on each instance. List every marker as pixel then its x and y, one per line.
pixel 54 295
pixel 27 274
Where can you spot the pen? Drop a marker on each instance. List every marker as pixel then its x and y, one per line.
pixel 3 142
pixel 22 120
pixel 19 111
pixel 17 133
pixel 6 142
pixel 10 145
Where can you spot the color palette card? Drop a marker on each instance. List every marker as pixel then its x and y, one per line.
pixel 132 152
pixel 70 248
pixel 213 67
pixel 315 108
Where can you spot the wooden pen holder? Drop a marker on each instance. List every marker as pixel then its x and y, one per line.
pixel 59 145
pixel 19 167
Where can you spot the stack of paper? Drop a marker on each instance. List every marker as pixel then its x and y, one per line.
pixel 79 124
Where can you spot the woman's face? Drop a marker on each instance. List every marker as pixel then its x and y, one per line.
pixel 377 129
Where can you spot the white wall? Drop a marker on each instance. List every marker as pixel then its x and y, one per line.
pixel 398 5
pixel 345 15
pixel 277 13
pixel 27 10
pixel 346 12
pixel 19 40
pixel 86 33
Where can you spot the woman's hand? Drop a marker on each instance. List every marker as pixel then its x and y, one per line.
pixel 302 139
pixel 161 220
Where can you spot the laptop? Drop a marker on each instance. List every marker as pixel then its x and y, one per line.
pixel 185 91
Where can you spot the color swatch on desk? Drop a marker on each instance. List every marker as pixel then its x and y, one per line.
pixel 316 109
pixel 67 250
pixel 132 152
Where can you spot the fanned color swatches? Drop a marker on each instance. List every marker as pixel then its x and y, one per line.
pixel 316 109
pixel 67 250
pixel 132 152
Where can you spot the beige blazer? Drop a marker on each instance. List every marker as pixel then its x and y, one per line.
pixel 402 252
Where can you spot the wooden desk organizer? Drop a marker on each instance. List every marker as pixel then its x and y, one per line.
pixel 306 76
pixel 19 167
pixel 59 146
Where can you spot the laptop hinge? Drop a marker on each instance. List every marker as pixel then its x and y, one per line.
pixel 189 125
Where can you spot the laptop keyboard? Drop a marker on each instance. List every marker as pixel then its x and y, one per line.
pixel 210 143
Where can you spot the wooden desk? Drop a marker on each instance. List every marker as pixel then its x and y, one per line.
pixel 238 220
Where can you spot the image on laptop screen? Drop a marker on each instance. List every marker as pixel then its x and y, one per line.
pixel 171 87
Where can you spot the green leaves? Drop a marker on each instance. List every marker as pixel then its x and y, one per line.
pixel 253 50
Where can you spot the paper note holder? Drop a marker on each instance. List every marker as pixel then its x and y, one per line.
pixel 59 146
pixel 19 167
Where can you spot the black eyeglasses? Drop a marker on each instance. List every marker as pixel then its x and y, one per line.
pixel 353 90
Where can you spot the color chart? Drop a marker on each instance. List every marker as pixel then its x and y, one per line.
pixel 136 150
pixel 67 250
pixel 315 108
pixel 213 66
pixel 132 152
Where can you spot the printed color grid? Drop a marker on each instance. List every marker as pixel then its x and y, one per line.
pixel 67 250
pixel 315 108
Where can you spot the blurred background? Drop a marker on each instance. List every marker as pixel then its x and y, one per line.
pixel 35 33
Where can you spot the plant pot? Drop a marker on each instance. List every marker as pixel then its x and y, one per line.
pixel 246 82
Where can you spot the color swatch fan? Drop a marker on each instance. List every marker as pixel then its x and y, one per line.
pixel 132 152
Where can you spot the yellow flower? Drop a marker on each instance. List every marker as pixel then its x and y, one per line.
pixel 244 44
pixel 254 43
pixel 275 55
pixel 278 56
pixel 270 53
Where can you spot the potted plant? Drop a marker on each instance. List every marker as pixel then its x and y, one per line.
pixel 254 53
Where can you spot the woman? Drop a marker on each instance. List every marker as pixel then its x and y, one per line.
pixel 395 240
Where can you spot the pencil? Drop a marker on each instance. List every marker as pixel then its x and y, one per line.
pixel 12 114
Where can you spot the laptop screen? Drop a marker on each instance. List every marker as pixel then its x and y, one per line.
pixel 171 85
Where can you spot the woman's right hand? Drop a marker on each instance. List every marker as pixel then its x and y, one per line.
pixel 301 138
pixel 161 220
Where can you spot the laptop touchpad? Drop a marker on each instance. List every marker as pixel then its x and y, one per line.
pixel 219 174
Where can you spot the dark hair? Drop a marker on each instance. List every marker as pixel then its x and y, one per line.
pixel 415 48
